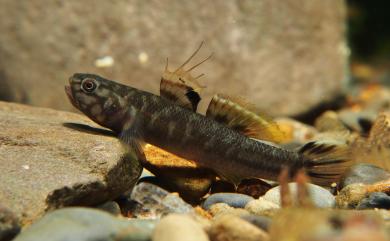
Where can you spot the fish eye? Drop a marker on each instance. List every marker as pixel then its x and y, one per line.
pixel 88 85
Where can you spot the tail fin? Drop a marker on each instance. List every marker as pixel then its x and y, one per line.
pixel 326 162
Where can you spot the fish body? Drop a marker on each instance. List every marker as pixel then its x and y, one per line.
pixel 137 115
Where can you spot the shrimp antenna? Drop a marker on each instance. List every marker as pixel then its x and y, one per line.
pixel 199 76
pixel 201 62
pixel 166 65
pixel 189 59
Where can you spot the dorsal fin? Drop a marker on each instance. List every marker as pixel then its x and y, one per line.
pixel 180 86
pixel 244 117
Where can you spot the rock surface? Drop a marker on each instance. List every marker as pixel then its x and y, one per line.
pixel 85 224
pixel 179 227
pixel 46 165
pixel 254 45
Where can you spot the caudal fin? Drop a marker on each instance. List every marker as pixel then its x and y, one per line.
pixel 326 162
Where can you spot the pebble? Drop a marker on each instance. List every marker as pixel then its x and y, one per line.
pixel 358 121
pixel 222 208
pixel 86 224
pixel 259 221
pixel 262 207
pixel 150 201
pixel 321 197
pixel 253 187
pixel 233 228
pixel 378 200
pixel 181 175
pixel 365 174
pixel 235 200
pixel 351 195
pixel 179 227
pixel 110 207
pixel 9 224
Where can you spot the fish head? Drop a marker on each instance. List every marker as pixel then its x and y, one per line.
pixel 102 100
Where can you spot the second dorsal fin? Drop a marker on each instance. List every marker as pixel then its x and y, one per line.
pixel 243 117
pixel 180 86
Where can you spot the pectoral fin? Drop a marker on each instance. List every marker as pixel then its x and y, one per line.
pixel 180 86
pixel 244 117
pixel 131 134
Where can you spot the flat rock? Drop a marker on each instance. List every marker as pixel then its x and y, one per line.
pixel 86 224
pixel 47 164
pixel 273 52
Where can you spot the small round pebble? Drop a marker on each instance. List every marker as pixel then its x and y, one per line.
pixel 222 208
pixel 233 228
pixel 351 195
pixel 179 227
pixel 262 207
pixel 259 221
pixel 321 197
pixel 110 207
pixel 235 200
pixel 375 200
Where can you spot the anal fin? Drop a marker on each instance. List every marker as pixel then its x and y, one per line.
pixel 244 117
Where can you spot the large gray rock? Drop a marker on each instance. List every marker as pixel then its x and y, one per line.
pixel 46 165
pixel 273 52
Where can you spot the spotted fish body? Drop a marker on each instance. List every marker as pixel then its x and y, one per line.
pixel 137 115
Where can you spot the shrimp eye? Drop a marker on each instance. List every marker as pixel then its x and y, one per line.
pixel 88 85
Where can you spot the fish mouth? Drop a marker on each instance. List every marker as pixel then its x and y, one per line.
pixel 68 91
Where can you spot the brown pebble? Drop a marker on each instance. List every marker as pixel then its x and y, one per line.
pixel 232 228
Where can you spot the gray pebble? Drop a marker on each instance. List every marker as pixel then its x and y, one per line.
pixel 110 207
pixel 365 174
pixel 86 224
pixel 259 221
pixel 235 200
pixel 150 201
pixel 375 200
